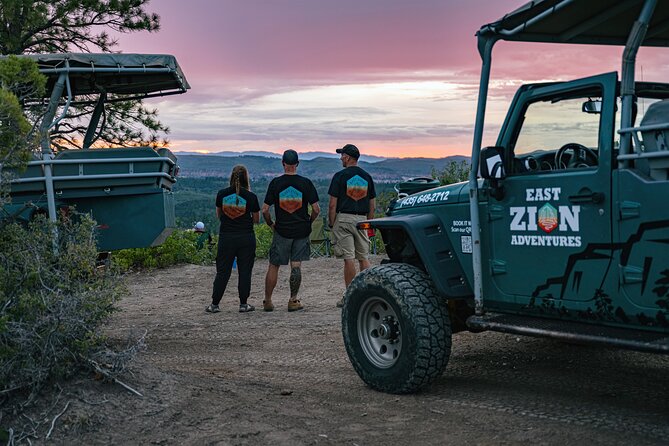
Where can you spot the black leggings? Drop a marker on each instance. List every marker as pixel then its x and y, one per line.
pixel 242 246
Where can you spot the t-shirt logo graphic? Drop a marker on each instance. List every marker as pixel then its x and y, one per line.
pixel 290 199
pixel 234 206
pixel 356 188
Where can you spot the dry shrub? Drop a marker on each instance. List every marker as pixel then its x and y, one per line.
pixel 54 299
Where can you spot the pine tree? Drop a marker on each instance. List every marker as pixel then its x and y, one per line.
pixel 58 26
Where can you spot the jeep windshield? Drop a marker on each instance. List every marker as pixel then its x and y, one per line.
pixel 553 122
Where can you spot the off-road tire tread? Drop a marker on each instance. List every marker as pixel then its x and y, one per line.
pixel 414 293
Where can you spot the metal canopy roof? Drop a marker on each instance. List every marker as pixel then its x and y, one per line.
pixel 123 74
pixel 601 22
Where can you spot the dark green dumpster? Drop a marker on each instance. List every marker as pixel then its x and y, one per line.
pixel 126 190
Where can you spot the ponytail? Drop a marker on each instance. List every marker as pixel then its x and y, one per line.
pixel 236 182
pixel 239 178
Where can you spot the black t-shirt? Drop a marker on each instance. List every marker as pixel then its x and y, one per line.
pixel 236 215
pixel 353 188
pixel 291 195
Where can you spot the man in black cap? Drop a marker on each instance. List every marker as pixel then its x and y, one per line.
pixel 352 199
pixel 290 194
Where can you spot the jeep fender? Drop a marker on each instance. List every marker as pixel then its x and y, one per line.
pixel 420 239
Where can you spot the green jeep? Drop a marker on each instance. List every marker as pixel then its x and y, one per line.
pixel 564 235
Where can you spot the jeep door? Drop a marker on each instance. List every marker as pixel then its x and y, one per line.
pixel 642 230
pixel 550 228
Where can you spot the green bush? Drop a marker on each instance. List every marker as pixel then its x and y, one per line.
pixel 377 244
pixel 53 296
pixel 180 247
pixel 453 173
pixel 53 301
pixel 264 236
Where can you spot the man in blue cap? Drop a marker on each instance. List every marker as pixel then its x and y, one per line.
pixel 352 199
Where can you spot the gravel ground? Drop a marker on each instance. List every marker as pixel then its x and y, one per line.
pixel 284 379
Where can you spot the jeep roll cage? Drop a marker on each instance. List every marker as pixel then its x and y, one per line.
pixel 628 23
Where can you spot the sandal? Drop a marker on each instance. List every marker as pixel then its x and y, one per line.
pixel 245 308
pixel 267 306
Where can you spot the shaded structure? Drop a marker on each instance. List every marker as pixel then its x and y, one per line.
pixel 126 190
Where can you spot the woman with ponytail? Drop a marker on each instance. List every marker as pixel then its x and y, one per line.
pixel 237 209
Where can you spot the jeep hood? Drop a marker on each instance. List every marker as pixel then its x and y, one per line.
pixel 439 196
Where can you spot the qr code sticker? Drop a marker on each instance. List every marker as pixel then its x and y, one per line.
pixel 466 241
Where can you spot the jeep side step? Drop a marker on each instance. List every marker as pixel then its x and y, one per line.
pixel 645 341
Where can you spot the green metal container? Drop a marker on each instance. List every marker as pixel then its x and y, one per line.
pixel 416 185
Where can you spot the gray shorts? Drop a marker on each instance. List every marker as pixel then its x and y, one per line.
pixel 284 250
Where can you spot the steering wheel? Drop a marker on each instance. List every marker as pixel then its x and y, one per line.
pixel 580 156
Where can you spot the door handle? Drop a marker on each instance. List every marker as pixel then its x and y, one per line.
pixel 587 197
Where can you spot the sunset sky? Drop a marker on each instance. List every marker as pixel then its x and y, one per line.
pixel 397 78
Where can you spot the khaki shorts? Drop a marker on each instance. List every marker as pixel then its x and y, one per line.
pixel 349 242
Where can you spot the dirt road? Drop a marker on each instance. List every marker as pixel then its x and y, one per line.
pixel 284 379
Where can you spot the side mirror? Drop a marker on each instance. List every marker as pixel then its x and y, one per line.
pixel 593 107
pixel 491 165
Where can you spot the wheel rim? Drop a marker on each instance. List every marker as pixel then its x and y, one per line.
pixel 380 332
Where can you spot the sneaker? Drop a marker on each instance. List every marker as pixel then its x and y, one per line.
pixel 212 309
pixel 245 308
pixel 267 306
pixel 295 305
pixel 340 303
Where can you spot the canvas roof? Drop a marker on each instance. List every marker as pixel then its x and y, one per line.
pixel 126 74
pixel 603 22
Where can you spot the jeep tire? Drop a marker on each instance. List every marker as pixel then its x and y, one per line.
pixel 396 330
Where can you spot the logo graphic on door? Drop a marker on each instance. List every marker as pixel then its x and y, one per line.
pixel 356 188
pixel 527 219
pixel 234 206
pixel 290 199
pixel 548 218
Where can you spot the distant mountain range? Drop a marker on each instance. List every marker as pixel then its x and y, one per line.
pixel 303 155
pixel 318 168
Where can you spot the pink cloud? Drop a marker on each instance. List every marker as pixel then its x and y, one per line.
pixel 300 39
pixel 236 53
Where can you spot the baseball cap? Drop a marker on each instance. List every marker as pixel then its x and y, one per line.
pixel 290 157
pixel 350 150
pixel 199 225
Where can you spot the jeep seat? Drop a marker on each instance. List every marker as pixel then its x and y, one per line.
pixel 655 134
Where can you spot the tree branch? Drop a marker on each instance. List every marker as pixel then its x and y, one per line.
pixel 53 422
